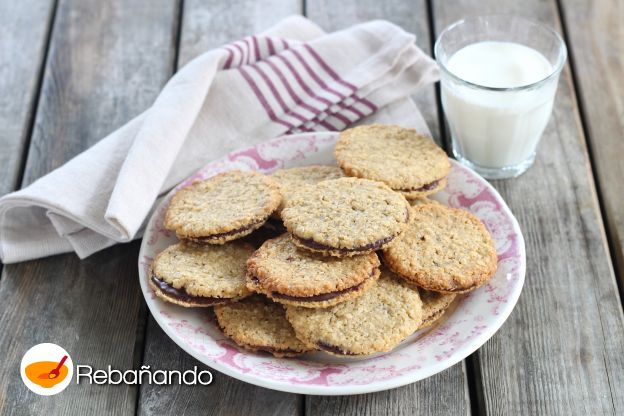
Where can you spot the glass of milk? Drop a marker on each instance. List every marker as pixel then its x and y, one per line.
pixel 499 76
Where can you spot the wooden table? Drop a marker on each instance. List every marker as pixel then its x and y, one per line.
pixel 73 70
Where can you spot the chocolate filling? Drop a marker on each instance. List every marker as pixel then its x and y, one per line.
pixel 308 242
pixel 316 298
pixel 271 229
pixel 182 295
pixel 423 188
pixel 271 350
pixel 332 348
pixel 209 238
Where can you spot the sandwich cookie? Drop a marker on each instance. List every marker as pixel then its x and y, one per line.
pixel 200 275
pixel 375 322
pixel 295 180
pixel 434 305
pixel 298 277
pixel 257 324
pixel 443 249
pixel 406 161
pixel 346 217
pixel 421 200
pixel 222 208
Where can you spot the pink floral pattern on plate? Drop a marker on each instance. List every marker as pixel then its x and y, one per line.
pixel 476 317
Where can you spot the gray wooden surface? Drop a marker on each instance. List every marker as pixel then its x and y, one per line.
pixel 71 71
pixel 23 44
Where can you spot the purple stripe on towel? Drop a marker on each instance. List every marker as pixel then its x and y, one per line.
pixel 230 57
pixel 242 54
pixel 277 95
pixel 337 78
pixel 263 101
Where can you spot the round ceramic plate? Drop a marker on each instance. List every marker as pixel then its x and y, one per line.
pixel 471 321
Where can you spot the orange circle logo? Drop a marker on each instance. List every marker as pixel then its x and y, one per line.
pixel 46 369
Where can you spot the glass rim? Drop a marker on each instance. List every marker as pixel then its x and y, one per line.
pixel 561 58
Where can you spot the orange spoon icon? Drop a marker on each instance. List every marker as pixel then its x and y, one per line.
pixel 54 373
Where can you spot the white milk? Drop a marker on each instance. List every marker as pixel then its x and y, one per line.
pixel 496 129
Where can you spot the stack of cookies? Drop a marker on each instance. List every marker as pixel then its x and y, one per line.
pixel 291 262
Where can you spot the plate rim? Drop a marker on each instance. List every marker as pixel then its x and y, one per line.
pixel 348 389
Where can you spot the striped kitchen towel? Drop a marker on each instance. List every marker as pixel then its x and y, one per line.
pixel 292 78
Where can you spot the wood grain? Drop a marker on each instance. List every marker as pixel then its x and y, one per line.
pixel 446 392
pixel 440 394
pixel 25 30
pixel 596 48
pixel 106 63
pixel 205 25
pixel 562 350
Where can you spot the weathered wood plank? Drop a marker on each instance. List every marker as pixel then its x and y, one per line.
pixel 596 47
pixel 205 25
pixel 25 30
pixel 211 23
pixel 562 349
pixel 106 63
pixel 442 394
pixel 446 392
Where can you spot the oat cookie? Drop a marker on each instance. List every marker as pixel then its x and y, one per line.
pixel 222 208
pixel 258 324
pixel 200 275
pixel 346 217
pixel 293 180
pixel 444 249
pixel 406 161
pixel 421 200
pixel 298 277
pixel 374 322
pixel 434 305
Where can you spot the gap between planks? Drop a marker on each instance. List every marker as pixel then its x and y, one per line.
pixel 473 370
pixel 140 342
pixel 32 111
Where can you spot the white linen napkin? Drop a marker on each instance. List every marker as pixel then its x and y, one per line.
pixel 292 78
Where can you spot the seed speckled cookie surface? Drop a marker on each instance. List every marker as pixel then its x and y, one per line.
pixel 222 208
pixel 443 249
pixel 346 217
pixel 374 322
pixel 200 275
pixel 298 277
pixel 434 305
pixel 422 200
pixel 406 161
pixel 258 324
pixel 293 180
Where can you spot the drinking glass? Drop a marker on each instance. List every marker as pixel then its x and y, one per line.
pixel 496 130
